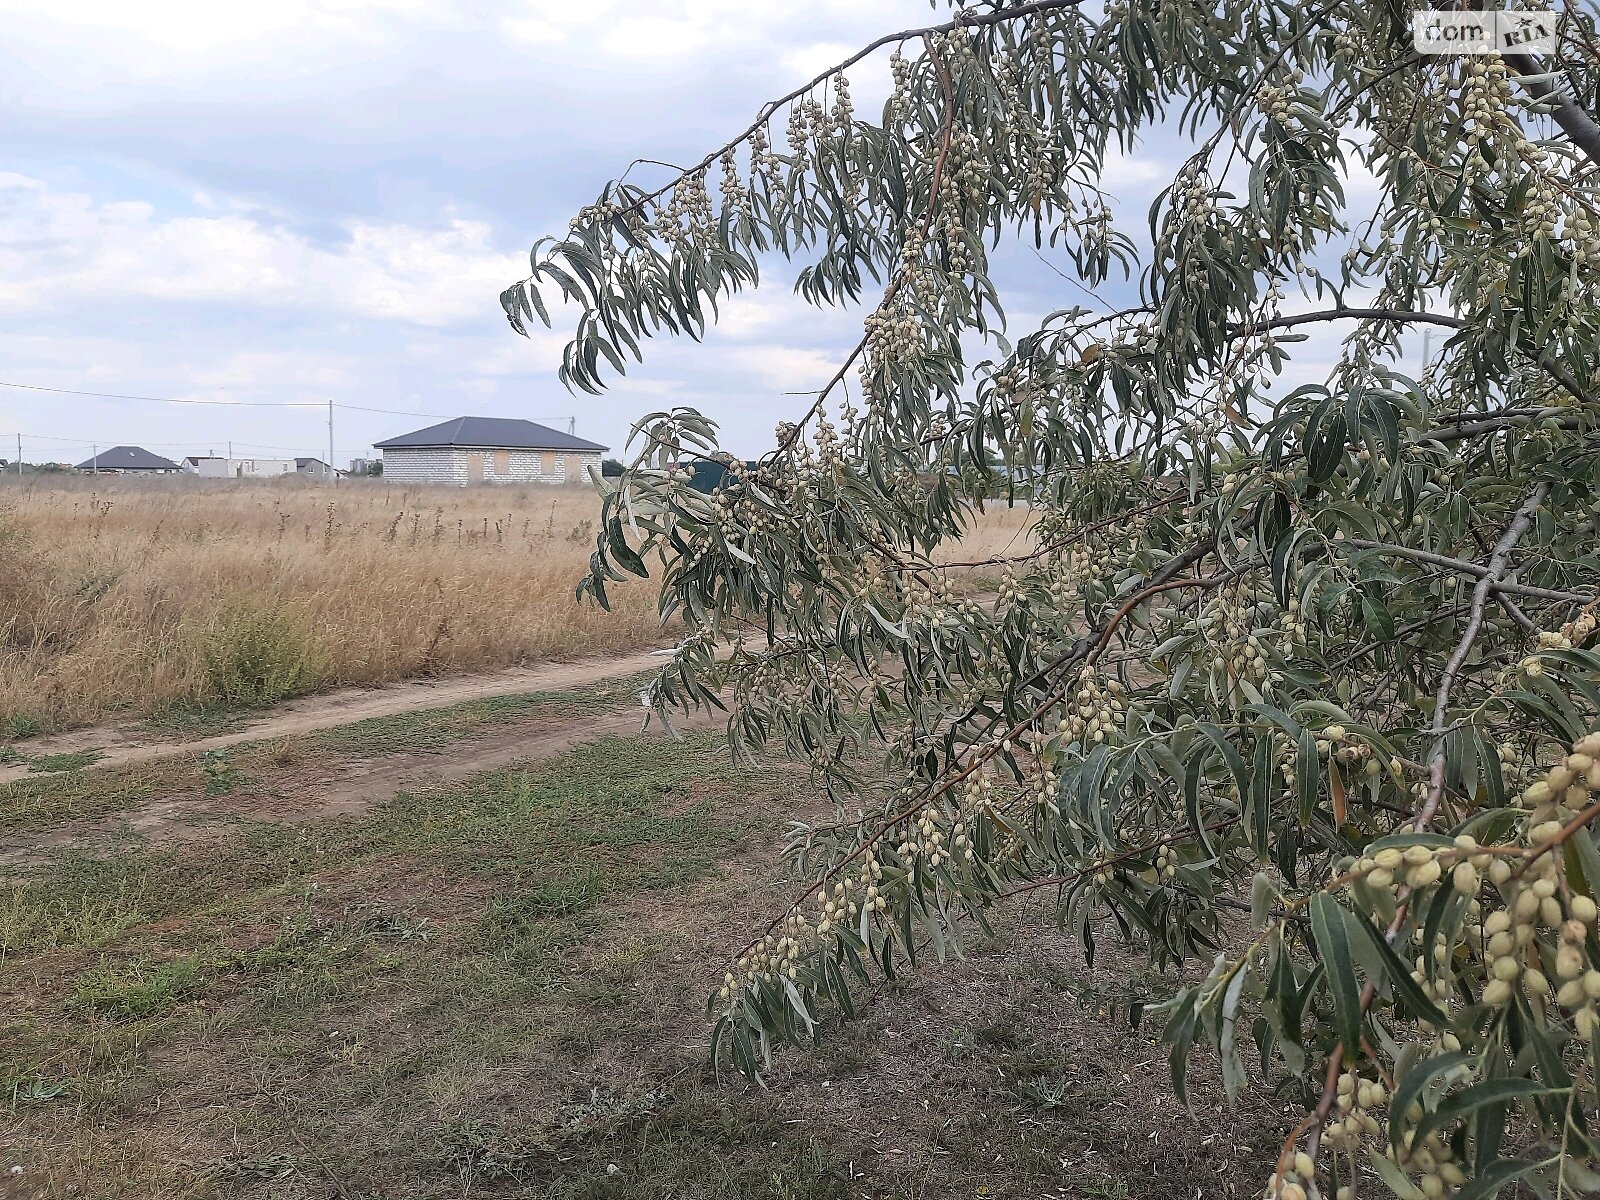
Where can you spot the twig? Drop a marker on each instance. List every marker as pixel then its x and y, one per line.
pixel 965 21
pixel 1495 570
pixel 1467 567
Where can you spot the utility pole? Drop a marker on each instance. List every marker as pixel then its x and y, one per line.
pixel 19 455
pixel 572 426
pixel 333 471
pixel 94 461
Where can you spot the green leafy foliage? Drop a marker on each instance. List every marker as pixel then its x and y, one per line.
pixel 1330 645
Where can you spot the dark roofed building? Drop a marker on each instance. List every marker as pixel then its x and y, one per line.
pixel 129 460
pixel 488 450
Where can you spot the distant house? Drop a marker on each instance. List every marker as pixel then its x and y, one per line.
pixel 313 468
pixel 207 466
pixel 129 460
pixel 488 450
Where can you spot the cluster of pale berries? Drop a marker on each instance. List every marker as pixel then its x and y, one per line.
pixel 900 96
pixel 1534 900
pixel 687 213
pixel 839 905
pixel 894 335
pixel 926 840
pixel 763 161
pixel 1045 783
pixel 1276 102
pixel 1011 590
pixel 923 601
pixel 773 958
pixel 1081 566
pixel 917 278
pixel 963 183
pixel 1292 622
pixel 734 194
pixel 1353 1102
pixel 1433 1162
pixel 799 135
pixel 731 522
pixel 1343 44
pixel 1584 235
pixel 1337 745
pixel 810 120
pixel 1095 712
pixel 1484 100
pixel 1166 862
pixel 1574 633
pixel 593 214
pixel 978 792
pixel 1231 628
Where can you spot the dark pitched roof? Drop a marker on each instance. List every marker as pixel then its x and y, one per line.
pixel 489 432
pixel 301 463
pixel 127 458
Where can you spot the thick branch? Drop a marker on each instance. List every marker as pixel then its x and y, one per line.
pixel 1575 122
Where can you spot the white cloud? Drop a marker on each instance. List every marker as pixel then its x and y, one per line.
pixel 807 62
pixel 60 249
pixel 1124 170
pixel 783 368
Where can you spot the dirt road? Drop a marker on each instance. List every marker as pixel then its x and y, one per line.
pixel 118 745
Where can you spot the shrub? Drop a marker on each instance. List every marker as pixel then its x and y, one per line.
pixel 258 654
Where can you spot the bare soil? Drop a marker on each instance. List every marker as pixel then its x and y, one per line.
pixel 120 745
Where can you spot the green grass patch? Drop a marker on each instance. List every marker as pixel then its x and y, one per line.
pixel 77 761
pixel 34 919
pixel 256 655
pixel 558 838
pixel 291 959
pixel 436 728
pixel 141 988
pixel 19 725
pixel 191 720
pixel 49 799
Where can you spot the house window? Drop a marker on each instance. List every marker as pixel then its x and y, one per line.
pixel 546 463
pixel 502 462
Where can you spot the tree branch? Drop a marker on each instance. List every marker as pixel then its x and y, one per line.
pixel 1575 122
pixel 965 21
pixel 1464 567
pixel 1397 315
pixel 1495 570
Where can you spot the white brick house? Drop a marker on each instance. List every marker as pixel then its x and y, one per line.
pixel 488 450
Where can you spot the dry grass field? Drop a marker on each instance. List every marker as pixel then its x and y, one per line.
pixel 122 596
pixel 148 597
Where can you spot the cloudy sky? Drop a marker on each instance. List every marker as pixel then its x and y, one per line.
pixel 311 199
pixel 323 198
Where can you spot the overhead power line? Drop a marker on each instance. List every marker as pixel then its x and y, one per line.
pixel 33 387
pixel 316 404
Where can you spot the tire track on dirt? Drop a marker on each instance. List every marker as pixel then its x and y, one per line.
pixel 342 787
pixel 120 745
